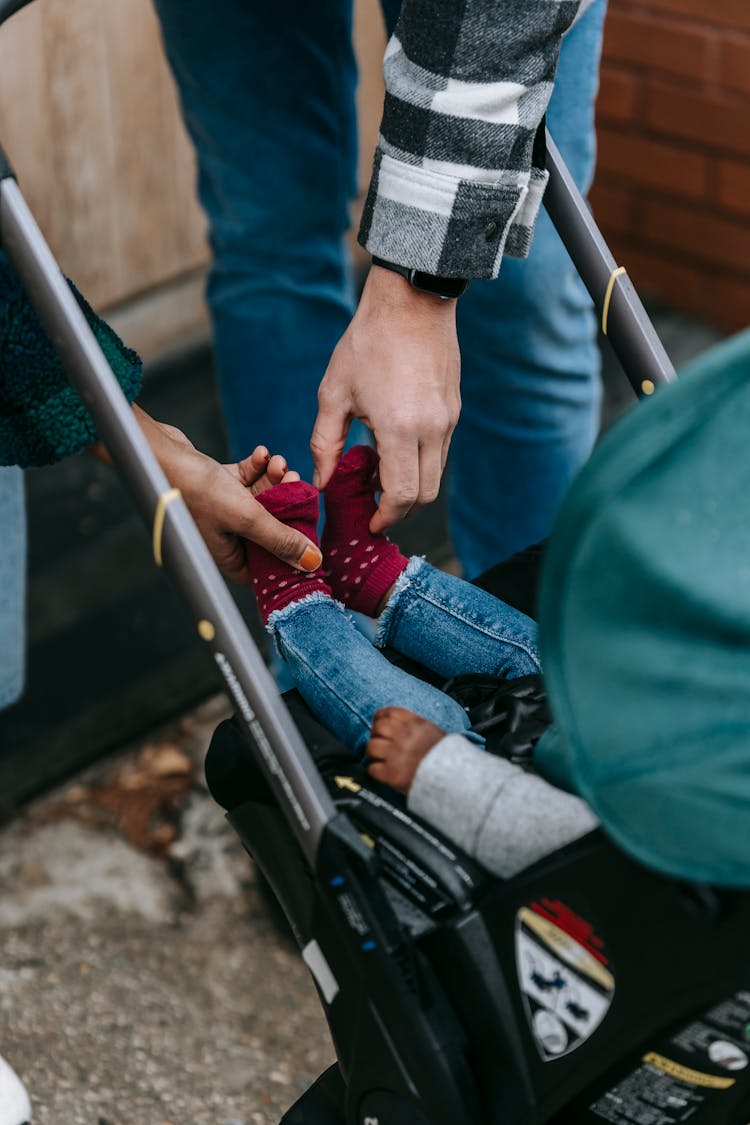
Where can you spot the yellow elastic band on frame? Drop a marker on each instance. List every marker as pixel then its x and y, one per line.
pixel 160 515
pixel 617 272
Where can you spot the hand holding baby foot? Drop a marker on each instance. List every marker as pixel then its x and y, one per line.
pixel 361 566
pixel 399 741
pixel 294 504
pixel 221 499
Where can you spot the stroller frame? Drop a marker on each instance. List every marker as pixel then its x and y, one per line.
pixel 218 621
pixel 417 1071
pixel 286 761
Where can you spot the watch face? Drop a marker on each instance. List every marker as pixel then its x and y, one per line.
pixel 440 286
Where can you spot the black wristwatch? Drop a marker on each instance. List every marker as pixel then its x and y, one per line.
pixel 449 288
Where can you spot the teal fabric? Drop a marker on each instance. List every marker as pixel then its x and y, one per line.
pixel 42 419
pixel 645 627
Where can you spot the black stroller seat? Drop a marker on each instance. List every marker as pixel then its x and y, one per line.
pixel 586 989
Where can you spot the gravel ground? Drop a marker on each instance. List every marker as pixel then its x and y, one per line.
pixel 143 981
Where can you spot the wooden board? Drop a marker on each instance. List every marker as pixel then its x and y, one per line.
pixel 89 117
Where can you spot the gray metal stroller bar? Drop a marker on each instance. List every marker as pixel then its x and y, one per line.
pixel 287 762
pixel 623 317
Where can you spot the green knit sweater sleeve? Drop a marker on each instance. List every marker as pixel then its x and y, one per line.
pixel 42 419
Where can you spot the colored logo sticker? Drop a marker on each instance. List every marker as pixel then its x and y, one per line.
pixel 564 975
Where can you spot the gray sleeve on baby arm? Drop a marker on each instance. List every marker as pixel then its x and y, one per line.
pixel 497 813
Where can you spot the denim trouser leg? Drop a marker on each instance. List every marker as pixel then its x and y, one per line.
pixel 530 365
pixel 452 627
pixel 268 98
pixel 344 680
pixel 12 584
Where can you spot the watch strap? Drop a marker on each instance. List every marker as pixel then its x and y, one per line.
pixel 449 288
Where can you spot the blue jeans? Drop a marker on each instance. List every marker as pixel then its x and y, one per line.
pixel 530 362
pixel 12 584
pixel 268 98
pixel 441 621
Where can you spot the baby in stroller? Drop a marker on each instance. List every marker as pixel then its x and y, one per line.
pixel 414 736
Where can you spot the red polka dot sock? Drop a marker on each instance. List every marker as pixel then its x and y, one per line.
pixel 275 583
pixel 360 567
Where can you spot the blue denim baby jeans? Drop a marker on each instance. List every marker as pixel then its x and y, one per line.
pixel 441 621
pixel 268 97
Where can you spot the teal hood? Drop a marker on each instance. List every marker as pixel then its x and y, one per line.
pixel 645 627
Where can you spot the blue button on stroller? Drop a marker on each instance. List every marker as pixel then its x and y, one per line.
pixel 586 989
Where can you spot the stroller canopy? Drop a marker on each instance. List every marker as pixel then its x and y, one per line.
pixel 645 612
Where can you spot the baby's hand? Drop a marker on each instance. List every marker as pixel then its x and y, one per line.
pixel 399 740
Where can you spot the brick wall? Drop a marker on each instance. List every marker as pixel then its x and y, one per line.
pixel 673 183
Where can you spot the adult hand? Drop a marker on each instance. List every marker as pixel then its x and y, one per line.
pixel 222 502
pixel 396 368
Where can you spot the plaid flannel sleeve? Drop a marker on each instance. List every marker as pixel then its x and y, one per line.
pixel 457 179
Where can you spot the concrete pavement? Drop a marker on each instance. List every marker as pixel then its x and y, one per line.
pixel 148 985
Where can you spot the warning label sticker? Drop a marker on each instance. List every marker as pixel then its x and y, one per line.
pixel 650 1096
pixel 564 974
pixel 690 1076
pixel 721 1036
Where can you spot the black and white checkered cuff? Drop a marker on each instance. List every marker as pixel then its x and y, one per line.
pixel 447 226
